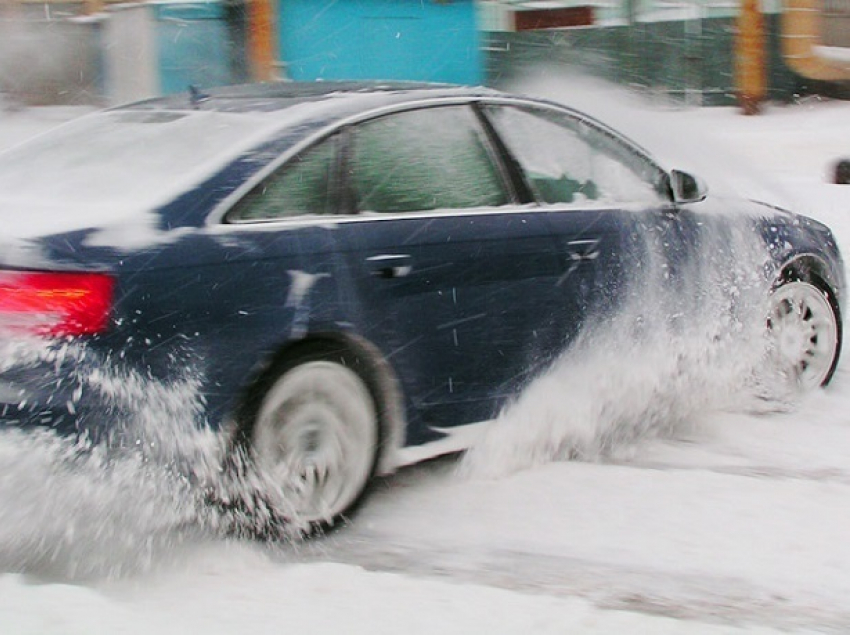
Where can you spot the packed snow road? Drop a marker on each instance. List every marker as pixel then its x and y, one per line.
pixel 723 516
pixel 741 521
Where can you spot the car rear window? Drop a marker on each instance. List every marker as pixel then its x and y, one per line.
pixel 140 157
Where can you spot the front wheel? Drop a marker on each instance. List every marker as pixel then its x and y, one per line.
pixel 315 433
pixel 804 330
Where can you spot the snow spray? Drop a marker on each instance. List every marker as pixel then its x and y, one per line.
pixel 121 502
pixel 689 340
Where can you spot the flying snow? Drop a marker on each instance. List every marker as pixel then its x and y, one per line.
pixel 122 499
pixel 687 344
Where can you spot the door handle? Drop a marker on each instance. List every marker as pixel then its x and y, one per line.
pixel 390 265
pixel 580 250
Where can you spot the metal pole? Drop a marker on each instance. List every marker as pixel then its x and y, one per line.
pixel 750 71
pixel 261 33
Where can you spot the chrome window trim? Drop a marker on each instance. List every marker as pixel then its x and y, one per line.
pixel 329 222
pixel 216 218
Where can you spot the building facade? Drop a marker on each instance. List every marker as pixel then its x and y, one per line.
pixel 108 52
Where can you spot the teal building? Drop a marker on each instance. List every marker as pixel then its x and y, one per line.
pixel 419 40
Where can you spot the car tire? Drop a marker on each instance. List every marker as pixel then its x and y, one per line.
pixel 804 329
pixel 313 429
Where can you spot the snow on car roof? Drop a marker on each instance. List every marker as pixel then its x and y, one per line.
pixel 276 96
pixel 112 169
pixel 106 167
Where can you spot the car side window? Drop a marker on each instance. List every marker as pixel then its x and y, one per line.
pixel 566 160
pixel 301 187
pixel 426 159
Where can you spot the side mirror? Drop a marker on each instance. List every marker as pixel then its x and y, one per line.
pixel 842 172
pixel 686 188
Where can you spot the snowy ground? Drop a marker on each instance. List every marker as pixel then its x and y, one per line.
pixel 737 522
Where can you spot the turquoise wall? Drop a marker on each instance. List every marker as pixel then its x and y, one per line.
pixel 419 40
pixel 193 45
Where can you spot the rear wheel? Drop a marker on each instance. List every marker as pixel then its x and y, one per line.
pixel 805 333
pixel 315 433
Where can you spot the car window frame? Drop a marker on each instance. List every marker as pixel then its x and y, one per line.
pixel 492 146
pixel 507 165
pixel 581 120
pixel 335 136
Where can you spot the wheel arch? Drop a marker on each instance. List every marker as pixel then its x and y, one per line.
pixel 811 268
pixel 377 372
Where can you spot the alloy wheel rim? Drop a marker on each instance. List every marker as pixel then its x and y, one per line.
pixel 804 334
pixel 315 435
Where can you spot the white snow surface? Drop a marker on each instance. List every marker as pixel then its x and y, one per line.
pixel 727 520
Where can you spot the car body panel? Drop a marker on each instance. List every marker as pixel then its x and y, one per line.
pixel 467 315
pixel 463 306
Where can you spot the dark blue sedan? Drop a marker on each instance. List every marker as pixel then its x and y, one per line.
pixel 344 272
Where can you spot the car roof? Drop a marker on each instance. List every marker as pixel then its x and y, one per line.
pixel 326 103
pixel 278 96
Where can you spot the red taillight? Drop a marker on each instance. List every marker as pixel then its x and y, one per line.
pixel 55 304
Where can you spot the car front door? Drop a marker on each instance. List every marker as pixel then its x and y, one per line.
pixel 603 198
pixel 454 280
